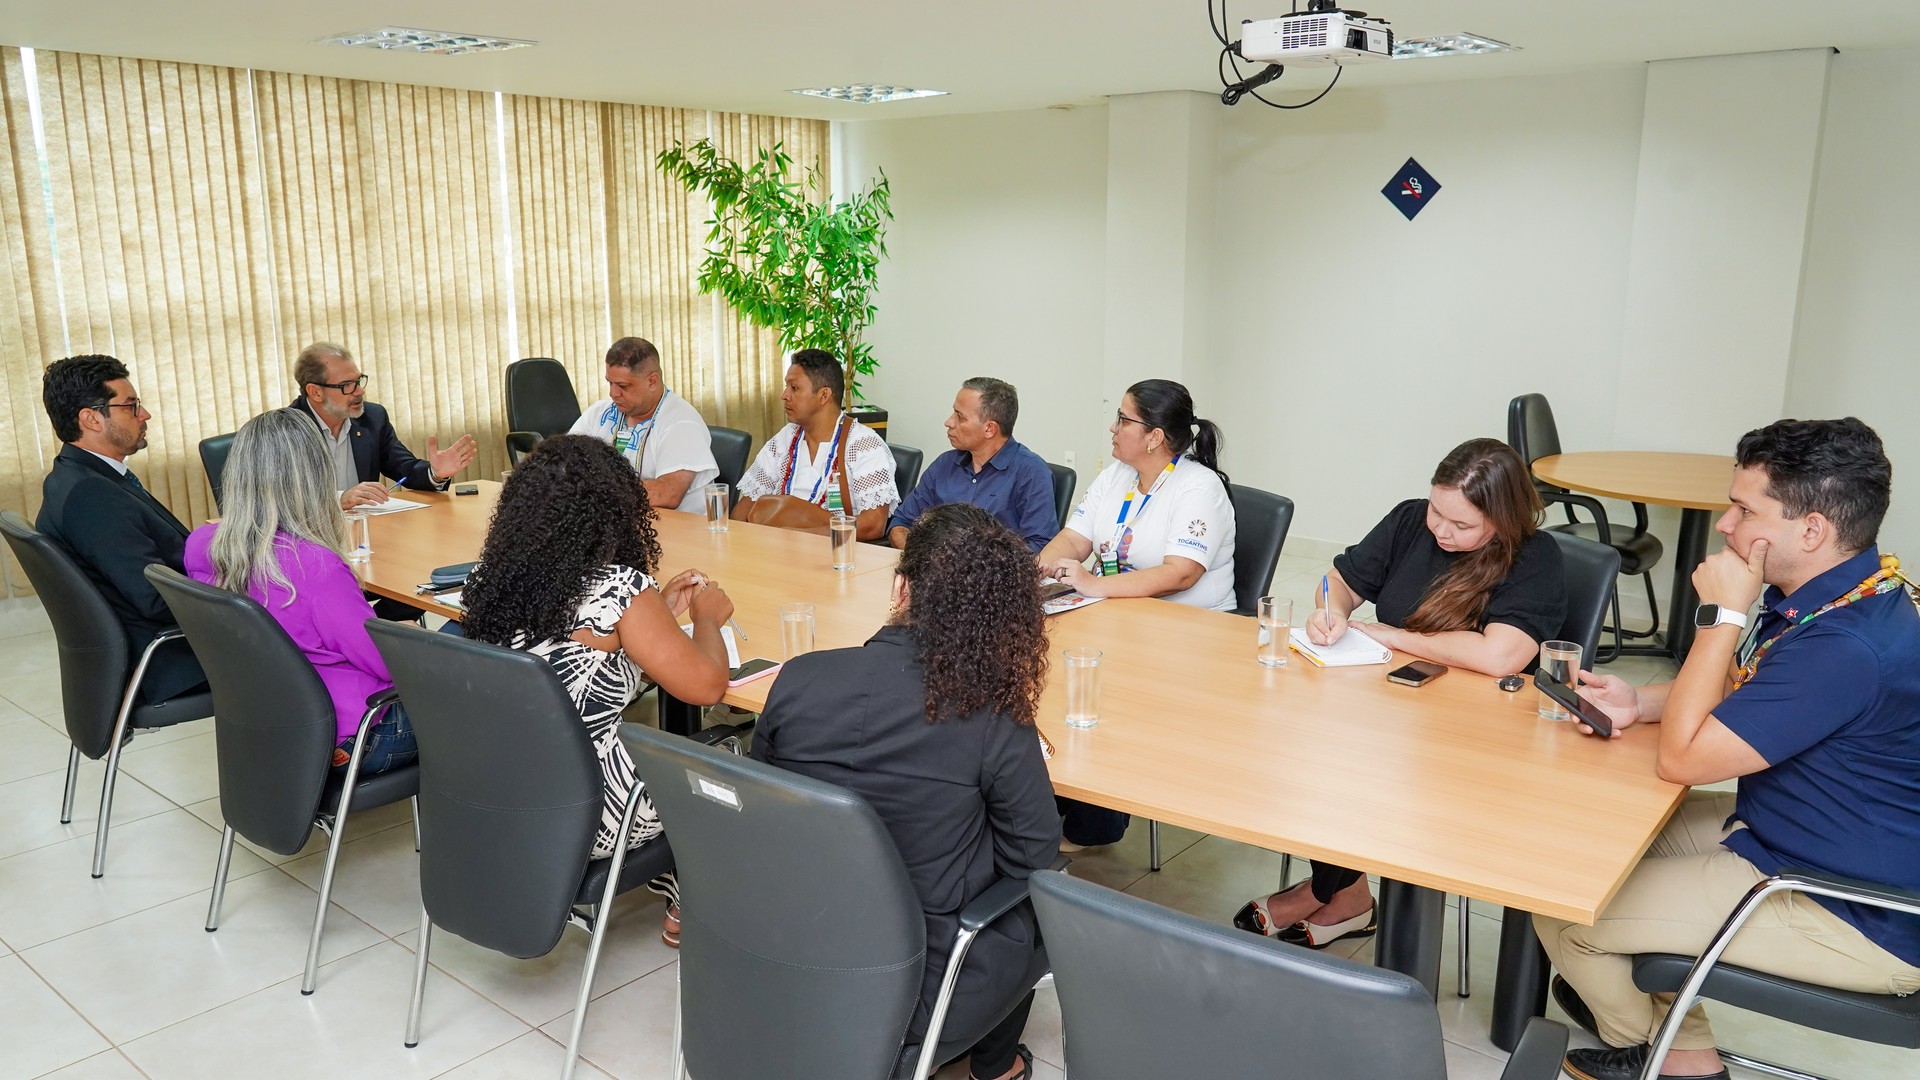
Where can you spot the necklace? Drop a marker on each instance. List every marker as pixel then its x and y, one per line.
pixel 1885 580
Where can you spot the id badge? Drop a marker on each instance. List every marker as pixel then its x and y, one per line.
pixel 622 440
pixel 1109 562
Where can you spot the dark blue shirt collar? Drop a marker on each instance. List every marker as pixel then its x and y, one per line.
pixel 1825 587
pixel 1002 459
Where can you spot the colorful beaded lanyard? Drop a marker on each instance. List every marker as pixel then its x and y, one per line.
pixel 1888 578
pixel 793 458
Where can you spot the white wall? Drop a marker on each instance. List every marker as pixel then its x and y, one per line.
pixel 997 266
pixel 1854 349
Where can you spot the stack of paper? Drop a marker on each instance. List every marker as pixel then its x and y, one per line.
pixel 1353 649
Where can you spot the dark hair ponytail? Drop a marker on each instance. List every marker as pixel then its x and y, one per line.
pixel 1166 405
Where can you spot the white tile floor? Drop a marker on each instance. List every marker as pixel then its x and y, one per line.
pixel 115 978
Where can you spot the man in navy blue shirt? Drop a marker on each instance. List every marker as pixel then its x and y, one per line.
pixel 1816 709
pixel 986 467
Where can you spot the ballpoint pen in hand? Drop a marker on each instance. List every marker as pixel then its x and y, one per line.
pixel 737 632
pixel 396 486
pixel 1326 602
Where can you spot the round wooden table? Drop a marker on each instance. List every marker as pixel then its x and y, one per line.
pixel 1695 483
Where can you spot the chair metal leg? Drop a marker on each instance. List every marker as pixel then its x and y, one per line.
pixel 1286 866
pixel 930 1043
pixel 415 801
pixel 602 917
pixel 113 773
pixel 220 879
pixel 73 777
pixel 336 835
pixel 1153 846
pixel 679 1055
pixel 1466 976
pixel 419 979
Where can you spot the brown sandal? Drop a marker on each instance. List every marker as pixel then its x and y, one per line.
pixel 670 927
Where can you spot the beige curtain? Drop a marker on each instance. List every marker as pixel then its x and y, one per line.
pixel 388 238
pixel 153 180
pixel 29 311
pixel 554 151
pixel 753 358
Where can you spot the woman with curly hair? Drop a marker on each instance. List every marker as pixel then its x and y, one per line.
pixel 931 721
pixel 566 573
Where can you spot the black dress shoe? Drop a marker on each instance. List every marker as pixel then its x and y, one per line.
pixel 1608 1063
pixel 1565 996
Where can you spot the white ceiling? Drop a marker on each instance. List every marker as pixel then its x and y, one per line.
pixel 743 55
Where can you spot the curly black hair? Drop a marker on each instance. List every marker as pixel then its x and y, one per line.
pixel 973 609
pixel 571 507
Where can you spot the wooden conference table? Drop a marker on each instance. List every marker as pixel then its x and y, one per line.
pixel 1696 483
pixel 1456 787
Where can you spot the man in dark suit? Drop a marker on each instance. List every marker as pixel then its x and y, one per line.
pixel 364 447
pixel 97 509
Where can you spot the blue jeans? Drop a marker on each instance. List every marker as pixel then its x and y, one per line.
pixel 389 744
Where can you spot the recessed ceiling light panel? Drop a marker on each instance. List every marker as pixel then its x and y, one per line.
pixel 869 93
pixel 1460 44
pixel 409 39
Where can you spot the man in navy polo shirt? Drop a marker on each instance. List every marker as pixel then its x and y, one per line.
pixel 1822 728
pixel 986 467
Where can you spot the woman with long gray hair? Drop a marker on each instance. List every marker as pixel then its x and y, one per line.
pixel 282 542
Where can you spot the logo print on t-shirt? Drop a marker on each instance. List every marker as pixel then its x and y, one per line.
pixel 1197 527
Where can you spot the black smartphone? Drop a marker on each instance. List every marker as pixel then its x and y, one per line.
pixel 466 489
pixel 750 670
pixel 1418 673
pixel 1570 700
pixel 1055 591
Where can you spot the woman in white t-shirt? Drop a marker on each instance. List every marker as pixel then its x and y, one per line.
pixel 1157 521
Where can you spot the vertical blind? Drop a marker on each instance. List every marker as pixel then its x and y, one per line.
pixel 203 224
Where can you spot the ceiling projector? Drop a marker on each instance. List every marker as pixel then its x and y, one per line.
pixel 1321 36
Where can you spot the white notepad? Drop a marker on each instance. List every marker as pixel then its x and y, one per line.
pixel 1354 649
pixel 726 635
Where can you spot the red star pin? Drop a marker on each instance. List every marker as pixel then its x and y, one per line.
pixel 1791 613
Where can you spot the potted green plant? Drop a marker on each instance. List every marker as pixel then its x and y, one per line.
pixel 788 258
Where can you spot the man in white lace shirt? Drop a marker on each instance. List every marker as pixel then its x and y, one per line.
pixel 806 458
pixel 659 432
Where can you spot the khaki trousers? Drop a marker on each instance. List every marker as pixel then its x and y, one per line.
pixel 1675 901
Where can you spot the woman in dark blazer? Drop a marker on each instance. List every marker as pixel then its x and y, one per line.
pixel 931 721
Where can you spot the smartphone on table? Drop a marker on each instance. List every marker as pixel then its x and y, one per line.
pixel 1417 673
pixel 757 668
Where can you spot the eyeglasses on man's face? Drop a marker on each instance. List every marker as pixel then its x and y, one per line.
pixel 133 405
pixel 346 387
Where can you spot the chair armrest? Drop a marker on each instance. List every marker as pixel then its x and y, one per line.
pixel 1844 888
pixel 1591 505
pixel 1001 897
pixel 520 444
pixel 719 733
pixel 380 699
pixel 1543 1046
pixel 1061 862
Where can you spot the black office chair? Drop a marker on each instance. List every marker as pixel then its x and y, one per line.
pixel 274 737
pixel 906 467
pixel 1879 1018
pixel 1146 992
pixel 732 449
pixel 213 457
pixel 1533 435
pixel 540 402
pixel 99 681
pixel 510 797
pixel 1261 520
pixel 519 445
pixel 1064 480
pixel 830 974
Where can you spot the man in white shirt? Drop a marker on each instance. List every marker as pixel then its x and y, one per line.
pixel 805 458
pixel 659 432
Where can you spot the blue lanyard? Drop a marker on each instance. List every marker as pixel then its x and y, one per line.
pixel 833 451
pixel 1122 534
pixel 645 430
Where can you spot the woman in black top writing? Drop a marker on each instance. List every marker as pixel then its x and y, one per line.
pixel 1463 577
pixel 931 721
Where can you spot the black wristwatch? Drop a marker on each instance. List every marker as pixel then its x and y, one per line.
pixel 1708 616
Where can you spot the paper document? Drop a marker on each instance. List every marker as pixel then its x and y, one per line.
pixel 1354 649
pixel 1067 602
pixel 450 599
pixel 391 506
pixel 726 635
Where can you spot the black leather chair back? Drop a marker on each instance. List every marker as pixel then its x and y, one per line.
pixel 540 396
pixel 1260 520
pixel 1147 993
pixel 274 725
pixel 1064 480
pixel 1589 569
pixel 796 913
pixel 213 456
pixel 509 787
pixel 94 658
pixel 906 467
pixel 731 450
pixel 1531 430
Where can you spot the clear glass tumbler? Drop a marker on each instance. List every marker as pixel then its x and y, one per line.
pixel 1559 661
pixel 717 507
pixel 1083 686
pixel 796 628
pixel 359 536
pixel 841 528
pixel 1276 622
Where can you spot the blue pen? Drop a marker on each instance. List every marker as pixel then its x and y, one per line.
pixel 1326 600
pixel 396 486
